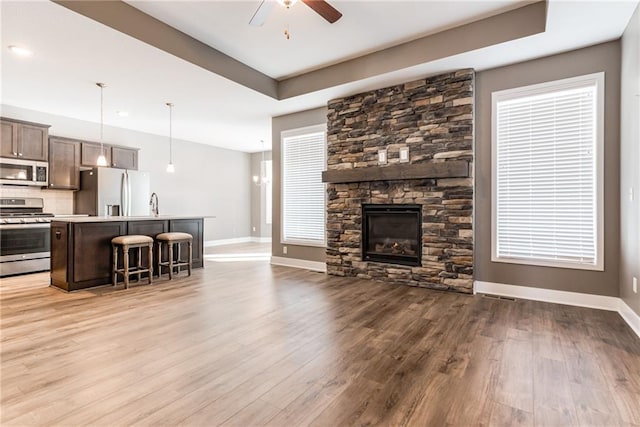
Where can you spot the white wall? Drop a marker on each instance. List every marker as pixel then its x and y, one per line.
pixel 208 181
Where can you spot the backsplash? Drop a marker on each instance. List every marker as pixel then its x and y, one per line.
pixel 59 202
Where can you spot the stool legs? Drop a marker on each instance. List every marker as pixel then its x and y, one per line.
pixel 170 260
pixel 175 262
pixel 125 252
pixel 115 265
pixel 126 270
pixel 150 252
pixel 139 263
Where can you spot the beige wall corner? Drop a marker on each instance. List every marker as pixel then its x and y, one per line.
pixel 630 163
pixel 279 124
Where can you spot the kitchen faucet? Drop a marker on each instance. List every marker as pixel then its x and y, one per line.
pixel 153 203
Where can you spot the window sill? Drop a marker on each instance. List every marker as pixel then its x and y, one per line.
pixel 549 263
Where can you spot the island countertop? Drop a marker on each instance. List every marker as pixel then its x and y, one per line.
pixel 81 253
pixel 81 219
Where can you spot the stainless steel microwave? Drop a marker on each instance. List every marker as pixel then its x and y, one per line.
pixel 23 172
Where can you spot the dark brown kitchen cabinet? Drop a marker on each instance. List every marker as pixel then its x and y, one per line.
pixel 64 164
pixel 149 228
pixel 8 139
pixel 195 227
pixel 124 158
pixel 117 157
pixel 90 153
pixel 24 140
pixel 81 255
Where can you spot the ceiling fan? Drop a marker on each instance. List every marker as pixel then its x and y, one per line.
pixel 321 7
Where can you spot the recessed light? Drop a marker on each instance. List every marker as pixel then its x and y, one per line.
pixel 122 113
pixel 20 50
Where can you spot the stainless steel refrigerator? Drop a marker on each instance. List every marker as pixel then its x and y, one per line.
pixel 113 192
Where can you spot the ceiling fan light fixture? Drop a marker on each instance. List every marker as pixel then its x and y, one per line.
pixel 287 3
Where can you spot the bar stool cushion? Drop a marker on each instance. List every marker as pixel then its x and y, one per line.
pixel 133 239
pixel 175 236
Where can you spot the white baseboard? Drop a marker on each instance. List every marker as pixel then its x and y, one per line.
pixel 548 295
pixel 248 239
pixel 261 239
pixel 601 302
pixel 630 316
pixel 299 263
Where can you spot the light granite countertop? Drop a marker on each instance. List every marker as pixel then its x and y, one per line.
pixel 77 219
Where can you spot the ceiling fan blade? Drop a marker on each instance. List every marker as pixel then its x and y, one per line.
pixel 261 13
pixel 324 9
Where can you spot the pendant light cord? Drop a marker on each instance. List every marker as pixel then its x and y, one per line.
pixel 102 117
pixel 101 86
pixel 170 105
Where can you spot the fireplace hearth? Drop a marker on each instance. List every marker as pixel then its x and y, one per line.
pixel 392 234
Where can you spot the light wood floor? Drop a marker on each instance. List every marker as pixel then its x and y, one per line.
pixel 244 344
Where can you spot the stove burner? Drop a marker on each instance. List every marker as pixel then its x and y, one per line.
pixel 25 214
pixel 27 210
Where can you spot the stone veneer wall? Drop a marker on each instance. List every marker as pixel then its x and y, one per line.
pixel 434 118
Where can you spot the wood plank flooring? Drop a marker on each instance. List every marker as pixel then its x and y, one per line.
pixel 243 343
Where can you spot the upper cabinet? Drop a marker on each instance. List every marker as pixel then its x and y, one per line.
pixel 64 163
pixel 117 157
pixel 8 139
pixel 124 158
pixel 24 140
pixel 91 151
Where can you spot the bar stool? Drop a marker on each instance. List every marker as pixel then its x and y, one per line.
pixel 171 239
pixel 131 242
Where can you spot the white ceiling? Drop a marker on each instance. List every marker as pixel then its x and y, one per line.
pixel 314 43
pixel 72 52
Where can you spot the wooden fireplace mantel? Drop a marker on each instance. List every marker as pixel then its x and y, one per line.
pixel 447 169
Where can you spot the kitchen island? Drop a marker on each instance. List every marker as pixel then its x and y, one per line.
pixel 81 254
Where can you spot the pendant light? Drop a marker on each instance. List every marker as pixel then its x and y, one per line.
pixel 102 160
pixel 170 167
pixel 263 179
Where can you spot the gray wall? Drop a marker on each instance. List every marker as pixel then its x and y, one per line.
pixel 604 57
pixel 630 162
pixel 259 226
pixel 278 124
pixel 208 180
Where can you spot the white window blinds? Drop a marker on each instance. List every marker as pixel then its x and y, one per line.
pixel 547 174
pixel 303 192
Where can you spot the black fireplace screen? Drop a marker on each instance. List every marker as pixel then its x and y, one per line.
pixel 392 234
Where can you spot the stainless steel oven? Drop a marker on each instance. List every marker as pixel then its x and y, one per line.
pixel 24 236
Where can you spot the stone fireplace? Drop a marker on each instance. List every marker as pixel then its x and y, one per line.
pixel 424 203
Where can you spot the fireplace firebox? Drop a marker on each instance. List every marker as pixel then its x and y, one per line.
pixel 392 234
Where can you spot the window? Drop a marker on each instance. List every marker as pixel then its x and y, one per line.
pixel 547 174
pixel 303 192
